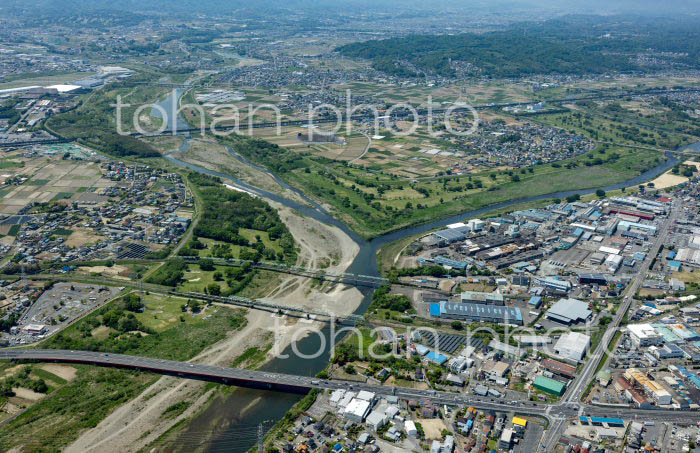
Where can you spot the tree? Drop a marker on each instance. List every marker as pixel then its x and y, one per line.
pixel 132 302
pixel 600 193
pixel 206 264
pixel 456 325
pixel 214 290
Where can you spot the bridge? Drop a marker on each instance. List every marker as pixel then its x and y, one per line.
pixel 319 274
pixel 161 84
pixel 303 384
pixel 51 141
pixel 244 302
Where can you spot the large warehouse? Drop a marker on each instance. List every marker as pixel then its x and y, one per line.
pixel 572 346
pixel 477 313
pixel 569 311
pixel 478 297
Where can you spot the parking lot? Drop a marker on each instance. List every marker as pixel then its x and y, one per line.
pixel 57 307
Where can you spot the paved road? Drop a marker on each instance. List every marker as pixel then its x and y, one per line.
pixel 302 384
pixel 577 388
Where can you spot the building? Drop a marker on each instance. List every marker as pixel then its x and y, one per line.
pixel 569 311
pixel 644 335
pixel 572 346
pixel 436 357
pixel 602 421
pixel 651 388
pixel 478 297
pixel 553 284
pixel 410 428
pixel 548 385
pixel 477 313
pixel 506 439
pixel 520 422
pixel 34 329
pixel 376 420
pixel 668 351
pixel 559 368
pixel 450 235
pixel 535 301
pixel 533 340
pixel 612 263
pixel 357 410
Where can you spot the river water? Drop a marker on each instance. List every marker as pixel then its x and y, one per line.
pixel 225 425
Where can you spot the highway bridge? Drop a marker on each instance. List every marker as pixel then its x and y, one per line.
pixel 319 274
pixel 303 384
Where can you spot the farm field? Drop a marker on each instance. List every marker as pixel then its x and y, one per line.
pixel 49 179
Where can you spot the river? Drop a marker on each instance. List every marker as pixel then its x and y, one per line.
pixel 228 420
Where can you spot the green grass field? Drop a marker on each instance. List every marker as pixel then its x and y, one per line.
pixel 70 408
pixel 357 199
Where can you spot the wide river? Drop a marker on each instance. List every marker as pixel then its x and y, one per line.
pixel 226 425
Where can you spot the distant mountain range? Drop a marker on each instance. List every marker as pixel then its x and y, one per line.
pixel 68 7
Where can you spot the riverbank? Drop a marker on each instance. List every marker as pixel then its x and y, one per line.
pixel 140 423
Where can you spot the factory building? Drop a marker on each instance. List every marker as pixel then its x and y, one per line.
pixel 572 346
pixel 550 386
pixel 644 335
pixel 651 388
pixel 569 311
pixel 477 297
pixel 477 313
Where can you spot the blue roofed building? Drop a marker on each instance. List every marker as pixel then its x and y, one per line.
pixel 535 301
pixel 602 421
pixel 477 312
pixel 436 357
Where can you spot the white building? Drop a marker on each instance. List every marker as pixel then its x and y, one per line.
pixel 376 420
pixel 357 410
pixel 411 429
pixel 337 396
pixel 572 346
pixel 644 335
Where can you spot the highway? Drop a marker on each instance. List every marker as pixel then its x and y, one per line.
pixel 303 384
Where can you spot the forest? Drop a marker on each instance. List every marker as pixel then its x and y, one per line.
pixel 225 212
pixel 571 45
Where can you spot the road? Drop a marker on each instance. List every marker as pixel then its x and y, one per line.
pixel 22 118
pixel 302 384
pixel 579 385
pixel 254 304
